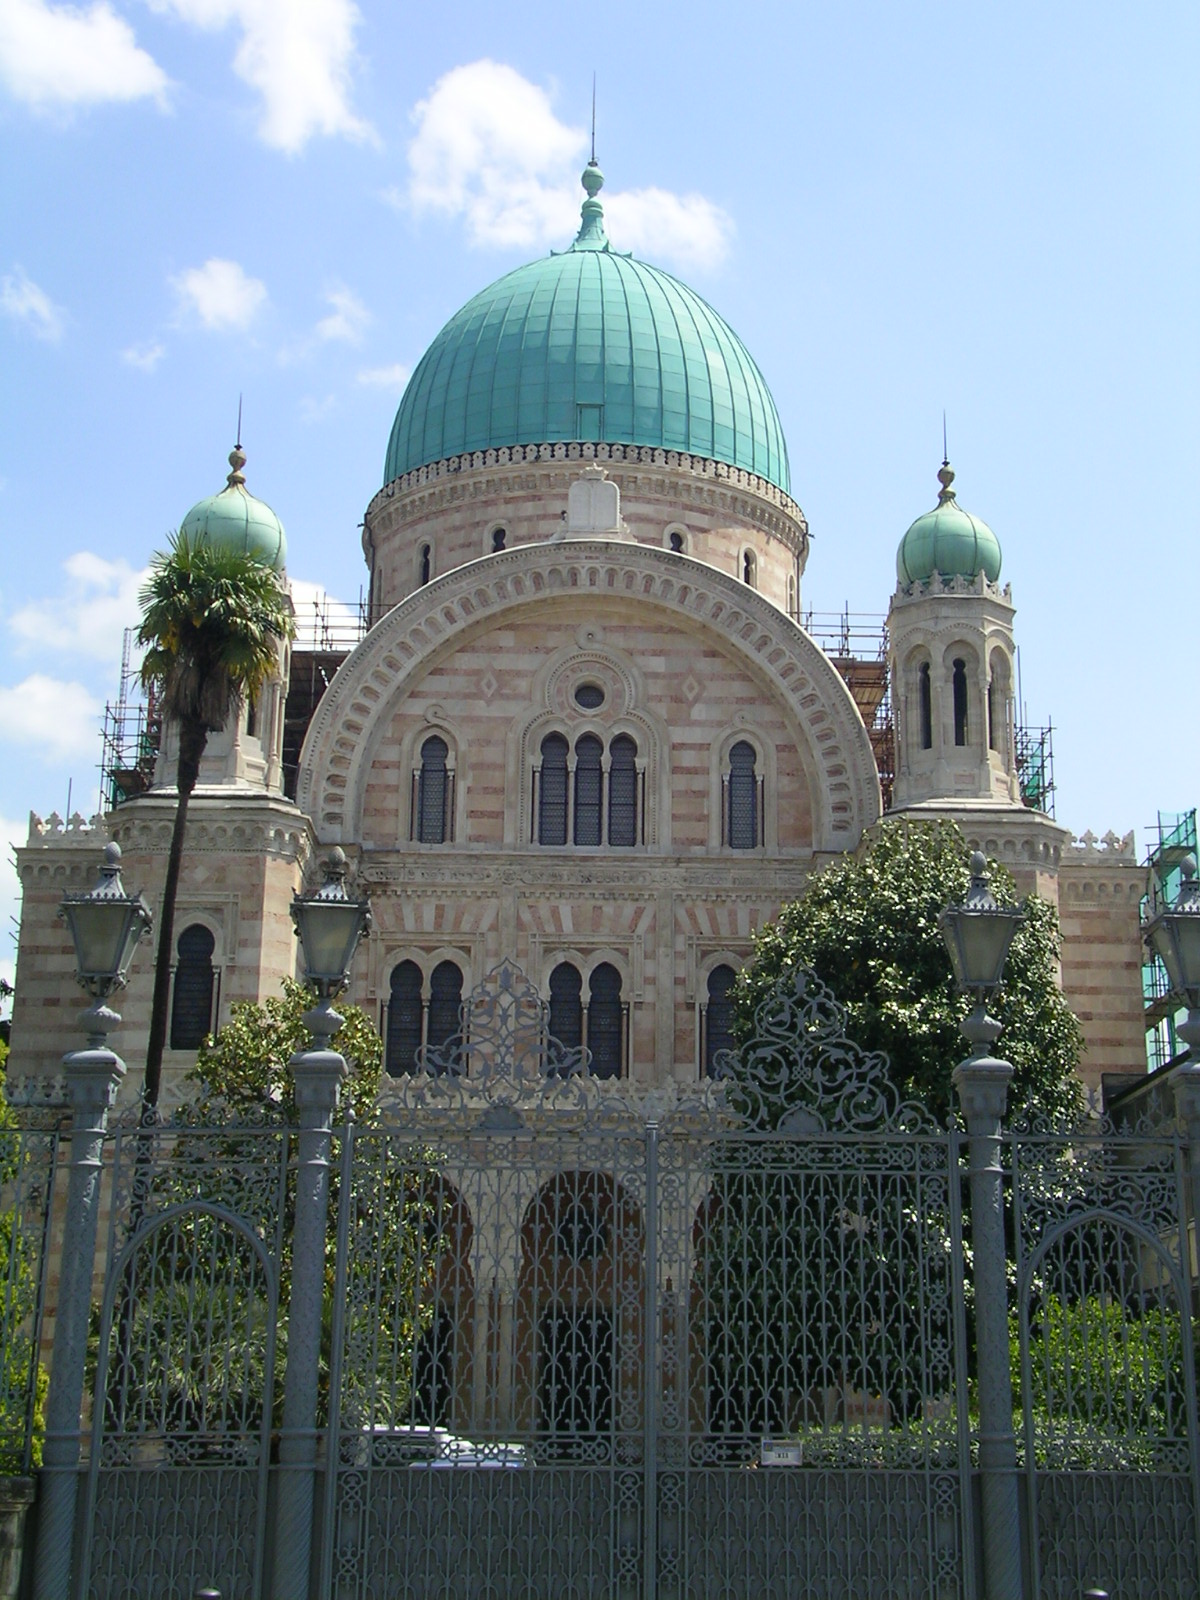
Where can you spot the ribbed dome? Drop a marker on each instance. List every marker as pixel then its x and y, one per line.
pixel 235 520
pixel 589 345
pixel 948 540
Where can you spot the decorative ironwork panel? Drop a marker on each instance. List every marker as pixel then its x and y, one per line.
pixel 185 1381
pixel 1106 1377
pixel 28 1169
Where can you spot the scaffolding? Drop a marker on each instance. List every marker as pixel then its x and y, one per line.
pixel 326 632
pixel 1034 752
pixel 857 644
pixel 131 734
pixel 1176 831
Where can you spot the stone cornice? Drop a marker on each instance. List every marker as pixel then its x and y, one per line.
pixel 263 825
pixel 674 474
pixel 336 754
pixel 1013 834
pixel 940 586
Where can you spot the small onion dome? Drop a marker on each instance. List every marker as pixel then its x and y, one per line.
pixel 235 520
pixel 948 540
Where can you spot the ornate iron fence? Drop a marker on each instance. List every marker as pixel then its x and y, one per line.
pixel 28 1170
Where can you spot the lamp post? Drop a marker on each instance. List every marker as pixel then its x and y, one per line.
pixel 106 925
pixel 1174 936
pixel 329 925
pixel 978 933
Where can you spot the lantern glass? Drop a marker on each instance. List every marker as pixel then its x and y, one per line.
pixel 329 931
pixel 106 925
pixel 978 933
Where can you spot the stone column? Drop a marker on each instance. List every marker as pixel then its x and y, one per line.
pixel 982 1085
pixel 318 1076
pixel 93 1076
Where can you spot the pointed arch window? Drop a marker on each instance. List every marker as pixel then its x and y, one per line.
pixel 434 799
pixel 959 683
pixel 589 789
pixel 195 983
pixel 566 1006
pixel 743 798
pixel 622 792
pixel 605 1022
pixel 717 1020
pixel 552 791
pixel 404 1019
pixel 925 705
pixel 445 1003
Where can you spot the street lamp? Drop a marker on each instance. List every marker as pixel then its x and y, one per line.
pixel 106 925
pixel 1174 937
pixel 329 925
pixel 978 934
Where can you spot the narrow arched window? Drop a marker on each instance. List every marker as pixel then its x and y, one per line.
pixel 552 791
pixel 499 538
pixel 925 705
pixel 192 1002
pixel 677 542
pixel 566 1006
pixel 589 786
pixel 426 562
pixel 791 594
pixel 403 1038
pixel 605 1022
pixel 749 567
pixel 742 798
pixel 991 708
pixel 445 1003
pixel 433 792
pixel 718 1016
pixel 960 702
pixel 622 791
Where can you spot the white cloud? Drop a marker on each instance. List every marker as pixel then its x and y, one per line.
pixel 221 294
pixel 11 832
pixel 145 357
pixel 61 719
pixel 489 149
pixel 313 410
pixel 394 377
pixel 297 54
pixel 88 617
pixel 25 302
pixel 347 319
pixel 319 615
pixel 56 56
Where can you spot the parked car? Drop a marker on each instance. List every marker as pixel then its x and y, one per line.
pixel 416 1445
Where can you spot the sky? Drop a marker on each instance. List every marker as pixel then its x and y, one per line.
pixel 988 210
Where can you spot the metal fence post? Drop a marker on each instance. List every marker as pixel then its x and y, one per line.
pixel 982 1085
pixel 92 1079
pixel 1185 1083
pixel 318 1075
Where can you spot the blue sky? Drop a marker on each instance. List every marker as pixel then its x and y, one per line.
pixel 983 208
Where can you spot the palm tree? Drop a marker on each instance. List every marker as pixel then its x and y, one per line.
pixel 213 620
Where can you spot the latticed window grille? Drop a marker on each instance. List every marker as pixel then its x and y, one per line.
pixel 445 1003
pixel 589 787
pixel 404 1017
pixel 566 1006
pixel 552 791
pixel 718 1016
pixel 605 1022
pixel 434 791
pixel 195 981
pixel 623 792
pixel 743 796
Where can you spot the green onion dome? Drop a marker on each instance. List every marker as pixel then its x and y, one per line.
pixel 589 345
pixel 235 520
pixel 948 540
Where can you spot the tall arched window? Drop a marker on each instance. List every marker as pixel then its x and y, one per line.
pixel 499 538
pixel 742 798
pixel 566 1006
pixel 426 563
pixel 192 1003
pixel 403 1019
pixel 749 567
pixel 925 705
pixel 589 786
pixel 791 594
pixel 676 541
pixel 445 1003
pixel 605 1022
pixel 718 1016
pixel 433 792
pixel 552 791
pixel 960 702
pixel 622 791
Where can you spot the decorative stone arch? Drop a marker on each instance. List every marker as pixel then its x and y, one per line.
pixel 823 720
pixel 523 753
pixel 741 732
pixel 497 525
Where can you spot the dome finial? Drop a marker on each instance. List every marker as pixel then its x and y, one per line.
pixel 591 235
pixel 946 471
pixel 237 456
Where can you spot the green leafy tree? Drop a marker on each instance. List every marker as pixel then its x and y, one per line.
pixel 23 1379
pixel 212 621
pixel 868 927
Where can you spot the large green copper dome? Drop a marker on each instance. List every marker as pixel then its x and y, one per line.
pixel 589 345
pixel 948 540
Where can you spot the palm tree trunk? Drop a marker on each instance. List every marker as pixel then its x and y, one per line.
pixel 193 736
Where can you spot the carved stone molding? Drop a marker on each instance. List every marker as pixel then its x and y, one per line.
pixel 336 754
pixel 263 826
